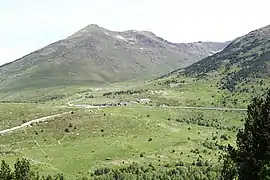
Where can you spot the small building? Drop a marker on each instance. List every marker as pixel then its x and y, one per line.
pixel 123 104
pixel 143 101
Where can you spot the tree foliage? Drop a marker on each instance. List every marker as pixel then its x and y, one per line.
pixel 252 156
pixel 23 171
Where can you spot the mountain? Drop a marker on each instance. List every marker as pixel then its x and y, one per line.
pixel 95 55
pixel 245 60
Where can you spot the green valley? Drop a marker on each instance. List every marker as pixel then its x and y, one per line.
pixel 176 126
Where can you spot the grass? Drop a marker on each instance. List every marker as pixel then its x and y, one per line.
pixel 13 114
pixel 205 92
pixel 120 134
pixel 76 144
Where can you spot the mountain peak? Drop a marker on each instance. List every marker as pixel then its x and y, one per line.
pixel 87 30
pixel 92 26
pixel 149 33
pixel 97 55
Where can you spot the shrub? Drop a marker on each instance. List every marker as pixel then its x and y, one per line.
pixel 70 125
pixel 224 137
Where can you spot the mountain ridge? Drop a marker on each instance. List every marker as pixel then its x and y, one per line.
pixel 97 55
pixel 246 59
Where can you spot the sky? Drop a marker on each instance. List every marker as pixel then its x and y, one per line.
pixel 27 25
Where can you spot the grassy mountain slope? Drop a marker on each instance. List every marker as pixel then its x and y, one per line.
pixel 245 59
pixel 230 78
pixel 96 55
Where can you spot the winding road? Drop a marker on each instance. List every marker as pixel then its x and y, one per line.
pixel 43 119
pixel 206 108
pixel 173 107
pixel 46 118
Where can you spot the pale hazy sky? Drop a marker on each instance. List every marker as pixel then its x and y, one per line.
pixel 27 25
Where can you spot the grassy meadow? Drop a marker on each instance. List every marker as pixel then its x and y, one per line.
pixel 77 143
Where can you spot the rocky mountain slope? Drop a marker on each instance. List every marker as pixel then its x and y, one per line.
pixel 96 55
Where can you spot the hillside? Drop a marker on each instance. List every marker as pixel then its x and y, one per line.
pixel 229 78
pixel 95 55
pixel 245 59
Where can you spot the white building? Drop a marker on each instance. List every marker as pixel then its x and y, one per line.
pixel 143 101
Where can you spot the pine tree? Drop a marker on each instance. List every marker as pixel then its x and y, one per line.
pixel 5 172
pixel 253 142
pixel 22 170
